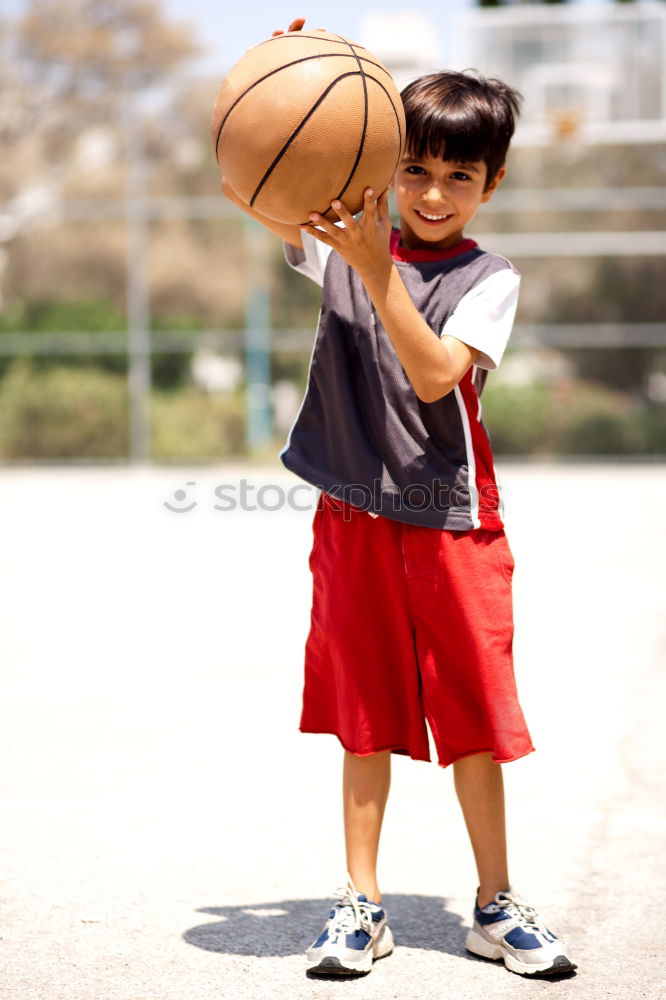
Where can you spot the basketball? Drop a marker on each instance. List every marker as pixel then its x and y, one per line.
pixel 304 119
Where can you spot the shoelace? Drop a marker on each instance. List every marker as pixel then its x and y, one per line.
pixel 353 914
pixel 519 908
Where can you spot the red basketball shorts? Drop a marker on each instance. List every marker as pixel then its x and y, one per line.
pixel 409 624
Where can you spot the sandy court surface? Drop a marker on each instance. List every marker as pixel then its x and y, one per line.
pixel 166 831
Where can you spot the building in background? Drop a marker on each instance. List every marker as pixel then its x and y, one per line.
pixel 599 69
pixel 406 41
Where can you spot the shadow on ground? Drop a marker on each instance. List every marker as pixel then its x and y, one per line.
pixel 289 926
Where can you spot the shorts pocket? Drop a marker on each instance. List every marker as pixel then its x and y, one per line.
pixel 316 541
pixel 503 555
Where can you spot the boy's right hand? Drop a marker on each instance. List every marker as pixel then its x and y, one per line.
pixel 296 25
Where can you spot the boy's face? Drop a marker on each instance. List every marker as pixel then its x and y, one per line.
pixel 437 198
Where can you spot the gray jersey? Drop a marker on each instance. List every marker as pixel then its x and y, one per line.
pixel 362 434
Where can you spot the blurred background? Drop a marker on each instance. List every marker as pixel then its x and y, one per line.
pixel 156 837
pixel 132 328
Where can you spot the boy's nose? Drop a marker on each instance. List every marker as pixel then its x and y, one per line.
pixel 435 193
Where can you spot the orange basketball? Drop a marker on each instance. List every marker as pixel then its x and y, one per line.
pixel 303 119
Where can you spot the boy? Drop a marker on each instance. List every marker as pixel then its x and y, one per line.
pixel 411 614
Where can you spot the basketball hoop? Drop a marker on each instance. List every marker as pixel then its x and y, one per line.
pixel 566 123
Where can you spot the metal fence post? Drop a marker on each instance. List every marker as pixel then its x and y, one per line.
pixel 138 295
pixel 257 338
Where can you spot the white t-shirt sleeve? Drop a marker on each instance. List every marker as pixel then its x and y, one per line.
pixel 484 317
pixel 311 260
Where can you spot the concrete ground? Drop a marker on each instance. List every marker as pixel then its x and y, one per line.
pixel 166 831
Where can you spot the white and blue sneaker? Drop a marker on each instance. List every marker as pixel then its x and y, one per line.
pixel 511 929
pixel 355 934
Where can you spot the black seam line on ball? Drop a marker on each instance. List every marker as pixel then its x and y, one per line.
pixel 317 38
pixel 359 151
pixel 369 76
pixel 397 117
pixel 294 62
pixel 322 97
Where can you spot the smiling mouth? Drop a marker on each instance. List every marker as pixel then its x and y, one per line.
pixel 433 220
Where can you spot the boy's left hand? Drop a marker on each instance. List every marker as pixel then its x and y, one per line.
pixel 364 242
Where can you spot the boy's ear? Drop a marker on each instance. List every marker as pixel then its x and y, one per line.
pixel 494 184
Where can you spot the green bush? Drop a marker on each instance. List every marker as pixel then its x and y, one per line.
pixel 573 417
pixel 82 413
pixel 169 368
pixel 190 424
pixel 62 413
pixel 72 413
pixel 52 317
pixel 516 418
pixel 69 317
pixel 651 427
pixel 593 420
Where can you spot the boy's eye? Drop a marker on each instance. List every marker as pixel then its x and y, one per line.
pixel 460 175
pixel 414 169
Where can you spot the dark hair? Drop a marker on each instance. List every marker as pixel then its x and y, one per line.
pixel 462 117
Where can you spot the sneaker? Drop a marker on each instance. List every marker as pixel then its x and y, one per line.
pixel 511 929
pixel 355 934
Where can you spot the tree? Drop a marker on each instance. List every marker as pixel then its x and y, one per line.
pixel 68 69
pixel 87 55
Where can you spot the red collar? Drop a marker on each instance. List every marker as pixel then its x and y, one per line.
pixel 399 252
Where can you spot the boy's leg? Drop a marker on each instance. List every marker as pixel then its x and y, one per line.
pixel 511 930
pixel 356 932
pixel 366 783
pixel 480 790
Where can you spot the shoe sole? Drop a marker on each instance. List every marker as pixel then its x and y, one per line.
pixel 331 965
pixel 478 945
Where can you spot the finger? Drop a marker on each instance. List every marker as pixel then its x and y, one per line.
pixel 343 213
pixel 297 24
pixel 318 234
pixel 276 33
pixel 369 204
pixel 318 220
pixel 383 205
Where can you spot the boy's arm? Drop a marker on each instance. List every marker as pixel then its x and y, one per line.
pixel 433 365
pixel 288 233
